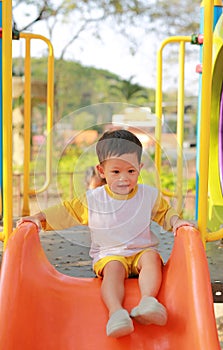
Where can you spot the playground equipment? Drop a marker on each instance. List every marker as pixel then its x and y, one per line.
pixel 27 116
pixel 209 169
pixel 43 309
pixel 48 310
pixel 28 38
pixel 216 133
pixel 180 115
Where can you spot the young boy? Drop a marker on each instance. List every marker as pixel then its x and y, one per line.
pixel 119 216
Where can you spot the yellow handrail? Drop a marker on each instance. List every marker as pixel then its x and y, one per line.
pixel 7 116
pixel 27 115
pixel 214 236
pixel 180 114
pixel 180 127
pixel 27 130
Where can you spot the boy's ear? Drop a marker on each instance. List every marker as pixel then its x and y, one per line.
pixel 141 165
pixel 100 170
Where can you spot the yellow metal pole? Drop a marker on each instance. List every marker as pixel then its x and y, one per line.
pixel 205 118
pixel 159 101
pixel 216 3
pixel 27 130
pixel 50 109
pixel 1 190
pixel 158 111
pixel 180 127
pixel 7 115
pixel 50 105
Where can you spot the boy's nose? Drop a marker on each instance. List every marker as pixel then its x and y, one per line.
pixel 123 177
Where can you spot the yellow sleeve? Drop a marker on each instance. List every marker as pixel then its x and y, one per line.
pixel 162 213
pixel 67 214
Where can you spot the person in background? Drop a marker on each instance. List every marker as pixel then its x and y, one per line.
pixel 92 178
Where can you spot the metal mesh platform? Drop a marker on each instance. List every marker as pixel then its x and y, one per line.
pixel 68 251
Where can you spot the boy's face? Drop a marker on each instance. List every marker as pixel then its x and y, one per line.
pixel 121 173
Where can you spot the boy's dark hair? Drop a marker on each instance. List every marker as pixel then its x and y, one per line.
pixel 118 142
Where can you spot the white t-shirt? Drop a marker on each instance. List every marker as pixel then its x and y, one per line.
pixel 120 226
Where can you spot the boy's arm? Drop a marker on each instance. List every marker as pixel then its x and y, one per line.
pixel 167 216
pixel 61 216
pixel 38 219
pixel 162 213
pixel 177 222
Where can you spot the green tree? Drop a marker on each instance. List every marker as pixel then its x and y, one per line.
pixel 127 91
pixel 81 86
pixel 123 16
pixel 126 17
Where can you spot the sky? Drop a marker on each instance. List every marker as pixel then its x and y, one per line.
pixel 112 53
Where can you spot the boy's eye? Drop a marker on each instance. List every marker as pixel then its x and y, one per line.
pixel 115 171
pixel 132 171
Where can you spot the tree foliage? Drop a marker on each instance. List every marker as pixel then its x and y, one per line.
pixel 81 86
pixel 128 91
pixel 126 17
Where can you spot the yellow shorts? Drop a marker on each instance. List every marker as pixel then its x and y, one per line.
pixel 130 263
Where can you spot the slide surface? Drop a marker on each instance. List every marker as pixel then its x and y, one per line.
pixel 216 133
pixel 42 309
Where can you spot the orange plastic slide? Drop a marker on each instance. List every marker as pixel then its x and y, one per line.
pixel 42 309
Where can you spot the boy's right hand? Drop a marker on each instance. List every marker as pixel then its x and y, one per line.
pixel 29 219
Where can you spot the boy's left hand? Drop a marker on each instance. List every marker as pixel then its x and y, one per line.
pixel 179 223
pixel 29 219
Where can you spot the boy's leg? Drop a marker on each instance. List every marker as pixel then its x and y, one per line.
pixel 149 309
pixel 112 291
pixel 150 273
pixel 112 288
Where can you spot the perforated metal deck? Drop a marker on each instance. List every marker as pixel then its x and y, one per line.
pixel 68 251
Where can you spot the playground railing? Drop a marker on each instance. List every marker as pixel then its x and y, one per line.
pixel 27 116
pixel 181 40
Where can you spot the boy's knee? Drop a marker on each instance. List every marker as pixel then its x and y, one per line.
pixel 114 266
pixel 150 257
pixel 111 264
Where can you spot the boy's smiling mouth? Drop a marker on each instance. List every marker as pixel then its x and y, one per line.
pixel 122 188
